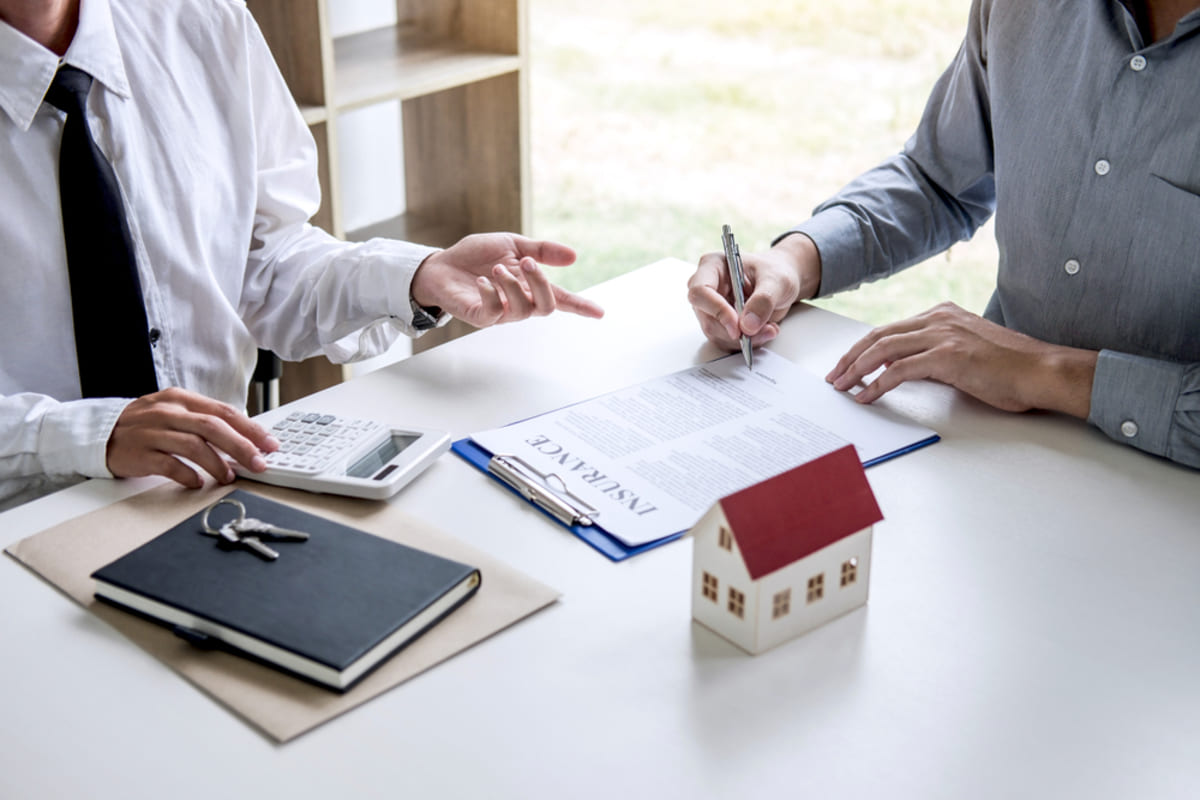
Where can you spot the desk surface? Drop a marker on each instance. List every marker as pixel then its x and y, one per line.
pixel 1033 628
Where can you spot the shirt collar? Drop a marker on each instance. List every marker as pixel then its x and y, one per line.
pixel 27 68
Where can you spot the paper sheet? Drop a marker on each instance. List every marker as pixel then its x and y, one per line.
pixel 280 705
pixel 653 457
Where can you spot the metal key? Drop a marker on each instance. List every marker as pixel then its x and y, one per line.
pixel 233 538
pixel 250 527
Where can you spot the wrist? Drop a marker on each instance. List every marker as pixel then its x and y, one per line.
pixel 803 256
pixel 1066 380
pixel 422 289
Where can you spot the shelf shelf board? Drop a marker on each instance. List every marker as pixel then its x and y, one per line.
pixel 384 64
pixel 314 115
pixel 411 228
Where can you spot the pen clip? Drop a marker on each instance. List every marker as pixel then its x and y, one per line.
pixel 547 491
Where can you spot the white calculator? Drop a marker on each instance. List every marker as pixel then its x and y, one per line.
pixel 343 455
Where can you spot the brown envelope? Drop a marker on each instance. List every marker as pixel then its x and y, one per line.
pixel 281 706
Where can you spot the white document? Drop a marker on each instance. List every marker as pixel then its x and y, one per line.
pixel 652 458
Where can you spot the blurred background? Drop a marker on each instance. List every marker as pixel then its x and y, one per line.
pixel 655 121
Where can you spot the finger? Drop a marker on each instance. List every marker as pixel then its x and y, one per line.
pixel 716 331
pixel 712 272
pixel 491 303
pixel 887 350
pixel 195 449
pixel 136 462
pixel 859 347
pixel 707 301
pixel 575 304
pixel 519 304
pixel 765 334
pixel 213 429
pixel 550 253
pixel 539 287
pixel 917 367
pixel 770 293
pixel 242 425
pixel 232 417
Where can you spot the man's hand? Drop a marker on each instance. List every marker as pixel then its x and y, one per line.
pixel 156 430
pixel 490 278
pixel 1001 367
pixel 789 271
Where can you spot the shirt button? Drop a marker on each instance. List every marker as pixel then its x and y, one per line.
pixel 1102 167
pixel 1129 429
pixel 155 335
pixel 1071 267
pixel 1137 63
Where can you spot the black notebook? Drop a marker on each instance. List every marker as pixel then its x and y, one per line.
pixel 328 609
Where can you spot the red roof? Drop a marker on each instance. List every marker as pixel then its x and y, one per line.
pixel 793 515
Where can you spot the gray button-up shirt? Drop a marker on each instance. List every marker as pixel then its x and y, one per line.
pixel 1085 143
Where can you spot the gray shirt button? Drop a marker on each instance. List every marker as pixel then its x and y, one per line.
pixel 1129 429
pixel 1071 267
pixel 1102 167
pixel 1137 63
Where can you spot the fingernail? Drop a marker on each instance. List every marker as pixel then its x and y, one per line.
pixel 258 463
pixel 753 322
pixel 272 443
pixel 229 477
pixel 528 265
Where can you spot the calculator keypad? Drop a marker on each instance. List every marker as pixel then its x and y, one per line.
pixel 310 443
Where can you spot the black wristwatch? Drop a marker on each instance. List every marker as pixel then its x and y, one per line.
pixel 425 317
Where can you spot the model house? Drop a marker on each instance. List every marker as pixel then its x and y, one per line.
pixel 779 558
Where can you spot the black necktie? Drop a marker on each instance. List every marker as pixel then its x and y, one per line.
pixel 112 340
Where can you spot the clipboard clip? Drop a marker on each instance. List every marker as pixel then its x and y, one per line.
pixel 547 491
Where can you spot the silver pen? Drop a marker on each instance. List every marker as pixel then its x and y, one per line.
pixel 737 278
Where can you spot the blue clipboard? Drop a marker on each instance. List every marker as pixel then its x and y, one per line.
pixel 600 539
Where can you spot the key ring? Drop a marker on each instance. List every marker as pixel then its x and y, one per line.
pixel 223 501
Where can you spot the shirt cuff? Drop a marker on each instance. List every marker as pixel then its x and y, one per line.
pixel 73 438
pixel 838 238
pixel 1134 399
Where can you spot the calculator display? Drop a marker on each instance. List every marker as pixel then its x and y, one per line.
pixel 371 465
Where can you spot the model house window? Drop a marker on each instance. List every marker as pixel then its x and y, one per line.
pixel 737 603
pixel 849 571
pixel 710 587
pixel 725 539
pixel 816 587
pixel 782 604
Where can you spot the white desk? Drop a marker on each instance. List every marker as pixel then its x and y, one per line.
pixel 1033 628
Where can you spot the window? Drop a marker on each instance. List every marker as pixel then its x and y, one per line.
pixel 816 587
pixel 782 604
pixel 849 571
pixel 737 603
pixel 710 587
pixel 725 539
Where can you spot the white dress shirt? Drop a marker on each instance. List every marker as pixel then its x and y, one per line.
pixel 218 175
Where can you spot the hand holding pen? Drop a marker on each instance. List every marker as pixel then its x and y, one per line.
pixel 772 281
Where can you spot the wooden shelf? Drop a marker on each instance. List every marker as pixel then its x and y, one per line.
pixel 459 68
pixel 314 114
pixel 383 64
pixel 432 231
